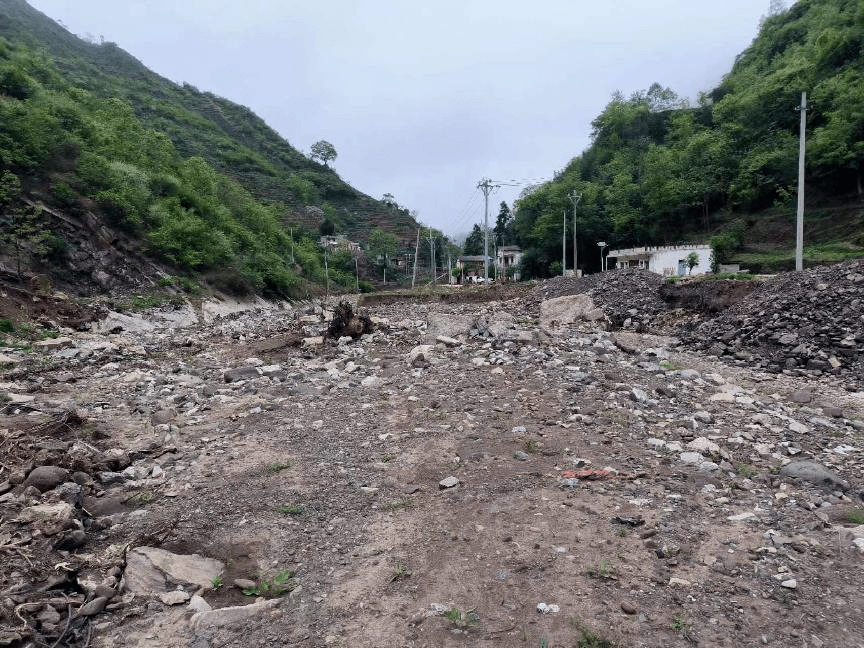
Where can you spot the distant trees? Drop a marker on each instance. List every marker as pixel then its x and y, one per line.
pixel 504 230
pixel 382 244
pixel 324 151
pixel 475 242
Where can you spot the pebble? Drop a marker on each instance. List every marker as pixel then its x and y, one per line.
pixel 448 482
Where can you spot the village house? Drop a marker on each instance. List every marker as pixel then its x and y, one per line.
pixel 509 256
pixel 473 267
pixel 666 260
pixel 338 242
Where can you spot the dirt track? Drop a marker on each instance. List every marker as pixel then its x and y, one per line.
pixel 330 468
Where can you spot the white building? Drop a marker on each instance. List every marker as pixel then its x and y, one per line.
pixel 509 256
pixel 664 260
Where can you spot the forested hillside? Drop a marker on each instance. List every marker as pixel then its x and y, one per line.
pixel 202 183
pixel 661 171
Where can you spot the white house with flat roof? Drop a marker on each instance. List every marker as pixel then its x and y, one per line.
pixel 665 260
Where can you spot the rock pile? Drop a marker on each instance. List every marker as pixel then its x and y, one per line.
pixel 804 322
pixel 630 298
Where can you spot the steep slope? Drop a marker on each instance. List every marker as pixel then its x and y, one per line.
pixel 192 179
pixel 660 171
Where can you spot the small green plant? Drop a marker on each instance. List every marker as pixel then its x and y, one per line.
pixel 141 498
pixel 465 619
pixel 400 571
pixel 275 468
pixel 278 585
pixel 746 470
pixel 671 365
pixel 622 533
pixel 290 510
pixel 143 302
pixel 603 570
pixel 855 516
pixel 679 622
pixel 166 281
pixel 388 458
pixel 532 446
pixel 588 639
pixel 216 583
pixel 544 642
pixel 6 326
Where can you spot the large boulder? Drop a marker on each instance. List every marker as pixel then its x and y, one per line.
pixel 569 310
pixel 46 477
pixel 448 325
pixel 153 570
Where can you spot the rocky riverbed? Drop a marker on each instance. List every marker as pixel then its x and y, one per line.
pixel 537 471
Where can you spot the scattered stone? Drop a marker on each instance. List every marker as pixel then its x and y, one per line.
pixel 46 477
pixel 243 372
pixel 231 616
pixel 153 570
pixel 790 584
pixel 174 597
pixel 628 608
pixel 815 473
pixel 448 482
pixel 548 608
pixel 93 607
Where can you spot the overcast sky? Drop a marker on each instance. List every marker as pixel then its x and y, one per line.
pixel 423 99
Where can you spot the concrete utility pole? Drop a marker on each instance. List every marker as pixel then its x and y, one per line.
pixel 357 274
pixel 291 230
pixel 416 250
pixel 575 198
pixel 486 187
pixel 432 255
pixel 799 230
pixel 564 244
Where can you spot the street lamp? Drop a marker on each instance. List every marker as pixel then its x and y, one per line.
pixel 601 245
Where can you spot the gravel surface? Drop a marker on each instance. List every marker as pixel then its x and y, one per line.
pixel 460 476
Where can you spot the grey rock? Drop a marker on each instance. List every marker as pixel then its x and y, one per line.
pixel 163 416
pixel 815 473
pixel 174 597
pixel 93 607
pixel 802 396
pixel 628 608
pixel 448 482
pixel 108 478
pixel 231 616
pixel 46 477
pixel 568 310
pixel 244 372
pixel 152 570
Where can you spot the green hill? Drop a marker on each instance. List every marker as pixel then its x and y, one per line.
pixel 188 178
pixel 660 171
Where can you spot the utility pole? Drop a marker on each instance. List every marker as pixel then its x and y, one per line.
pixel 799 230
pixel 416 250
pixel 449 271
pixel 432 255
pixel 326 271
pixel 575 198
pixel 564 244
pixel 486 187
pixel 357 274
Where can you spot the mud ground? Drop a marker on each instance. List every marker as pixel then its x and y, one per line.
pixel 561 499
